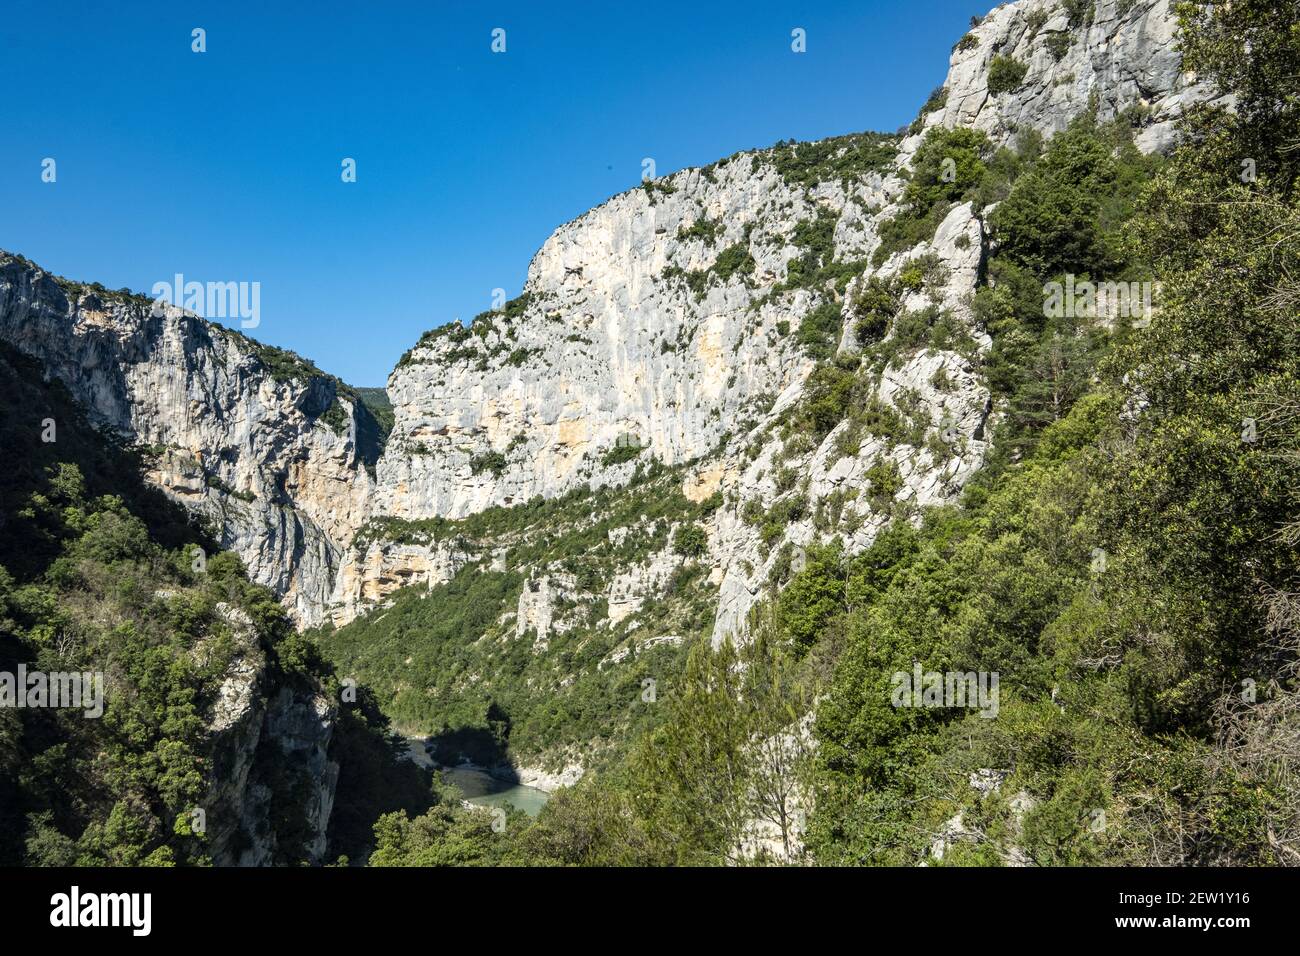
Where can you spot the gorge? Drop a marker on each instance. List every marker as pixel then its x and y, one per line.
pixel 726 385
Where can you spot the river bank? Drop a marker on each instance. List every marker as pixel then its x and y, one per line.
pixel 491 786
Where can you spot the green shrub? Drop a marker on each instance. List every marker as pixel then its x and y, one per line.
pixel 884 481
pixel 490 461
pixel 734 260
pixel 703 228
pixel 1080 13
pixel 691 540
pixel 620 454
pixel 1005 74
pixel 948 164
pixel 874 304
pixel 1058 44
pixel 827 395
pixel 819 331
pixel 936 101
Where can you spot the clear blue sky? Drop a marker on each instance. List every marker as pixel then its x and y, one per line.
pixel 225 165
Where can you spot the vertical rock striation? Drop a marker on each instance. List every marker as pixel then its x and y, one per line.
pixel 236 432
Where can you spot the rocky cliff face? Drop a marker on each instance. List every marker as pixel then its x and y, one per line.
pixel 671 318
pixel 263 733
pixel 678 322
pixel 609 344
pixel 236 432
pixel 1112 54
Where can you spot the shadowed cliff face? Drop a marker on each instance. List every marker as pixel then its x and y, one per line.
pixel 677 321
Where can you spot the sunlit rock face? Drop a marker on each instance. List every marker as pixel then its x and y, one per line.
pixel 670 323
pixel 248 452
pixel 610 345
pixel 1119 56
pixel 666 324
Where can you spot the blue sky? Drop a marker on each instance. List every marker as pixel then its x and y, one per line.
pixel 225 165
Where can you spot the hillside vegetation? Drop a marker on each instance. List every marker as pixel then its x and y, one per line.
pixel 100 573
pixel 449 661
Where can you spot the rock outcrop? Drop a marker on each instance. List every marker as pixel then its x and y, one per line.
pixel 638 330
pixel 1111 55
pixel 370 571
pixel 264 733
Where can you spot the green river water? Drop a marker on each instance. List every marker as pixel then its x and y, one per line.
pixel 479 787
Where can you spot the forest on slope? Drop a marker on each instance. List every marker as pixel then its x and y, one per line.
pixel 100 573
pixel 1125 563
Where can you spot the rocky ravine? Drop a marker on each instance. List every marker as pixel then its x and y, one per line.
pixel 667 319
pixel 666 323
pixel 251 455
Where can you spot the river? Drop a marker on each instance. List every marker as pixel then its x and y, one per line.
pixel 479 787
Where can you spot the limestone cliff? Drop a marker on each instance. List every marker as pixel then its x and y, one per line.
pixel 676 322
pixel 1111 55
pixel 671 318
pixel 238 433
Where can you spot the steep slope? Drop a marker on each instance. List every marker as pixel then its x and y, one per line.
pixel 652 319
pixel 1092 657
pixel 255 440
pixel 213 741
pixel 838 342
pixel 658 315
pixel 680 321
pixel 1109 55
pixel 676 322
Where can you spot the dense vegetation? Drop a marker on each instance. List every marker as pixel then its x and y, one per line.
pixel 448 661
pixel 1126 563
pixel 845 158
pixel 1005 74
pixel 100 573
